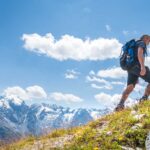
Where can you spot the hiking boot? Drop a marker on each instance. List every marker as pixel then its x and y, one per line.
pixel 144 98
pixel 119 107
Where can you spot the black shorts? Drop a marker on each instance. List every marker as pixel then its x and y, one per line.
pixel 134 74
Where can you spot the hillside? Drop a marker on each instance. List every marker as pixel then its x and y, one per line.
pixel 17 119
pixel 122 130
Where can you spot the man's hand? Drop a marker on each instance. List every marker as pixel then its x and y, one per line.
pixel 143 71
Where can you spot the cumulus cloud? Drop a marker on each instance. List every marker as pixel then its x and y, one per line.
pixel 68 98
pixel 110 101
pixel 36 92
pixel 114 73
pixel 103 98
pixel 15 91
pixel 71 74
pixel 32 92
pixel 73 48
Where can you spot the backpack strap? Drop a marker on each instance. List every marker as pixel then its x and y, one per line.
pixel 141 43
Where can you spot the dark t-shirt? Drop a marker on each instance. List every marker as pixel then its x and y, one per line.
pixel 134 72
pixel 141 44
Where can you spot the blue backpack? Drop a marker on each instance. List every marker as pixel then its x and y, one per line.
pixel 127 58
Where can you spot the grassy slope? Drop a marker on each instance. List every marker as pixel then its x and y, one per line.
pixel 125 128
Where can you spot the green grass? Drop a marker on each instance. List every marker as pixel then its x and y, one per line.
pixel 109 132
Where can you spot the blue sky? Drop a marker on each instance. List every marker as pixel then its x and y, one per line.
pixel 22 66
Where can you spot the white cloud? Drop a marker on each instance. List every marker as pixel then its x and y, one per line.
pixel 36 92
pixel 92 77
pixel 117 83
pixel 15 91
pixel 115 73
pixel 108 87
pixel 148 48
pixel 32 92
pixel 68 98
pixel 71 74
pixel 73 48
pixel 147 61
pixel 108 28
pixel 91 72
pixel 139 88
pixel 103 98
pixel 111 101
pixel 107 100
pixel 98 81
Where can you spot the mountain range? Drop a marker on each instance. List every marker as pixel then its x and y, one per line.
pixel 17 119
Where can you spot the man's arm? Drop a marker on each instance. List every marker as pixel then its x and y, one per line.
pixel 141 60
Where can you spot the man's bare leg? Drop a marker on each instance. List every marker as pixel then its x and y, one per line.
pixel 125 95
pixel 126 92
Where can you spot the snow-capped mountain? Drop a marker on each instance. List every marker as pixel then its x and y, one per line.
pixel 18 119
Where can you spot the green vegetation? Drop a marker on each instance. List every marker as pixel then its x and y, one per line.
pixel 127 128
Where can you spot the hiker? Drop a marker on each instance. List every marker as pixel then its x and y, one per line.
pixel 136 71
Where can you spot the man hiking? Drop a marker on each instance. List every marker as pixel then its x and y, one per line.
pixel 137 70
